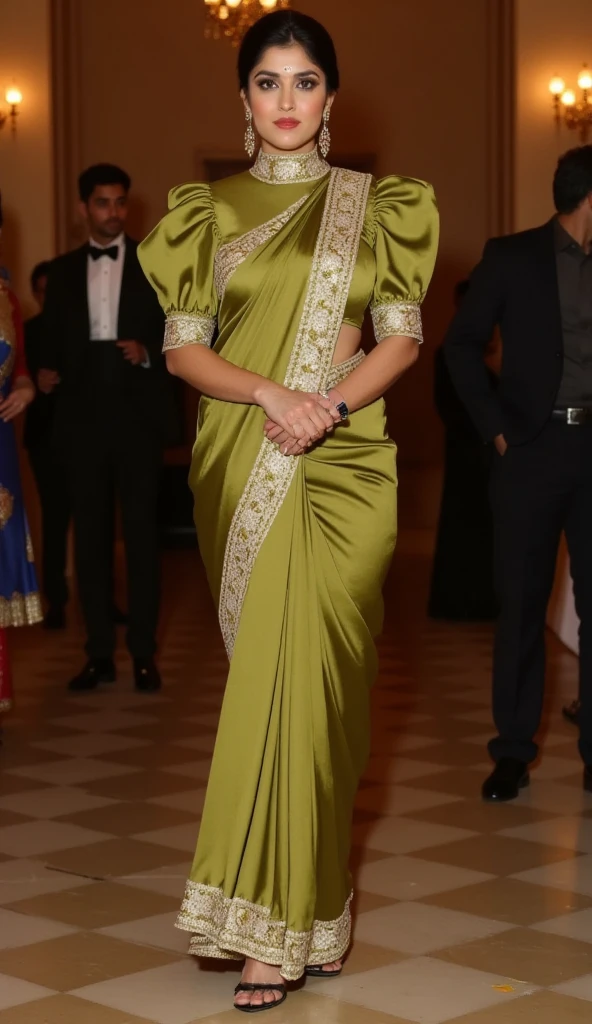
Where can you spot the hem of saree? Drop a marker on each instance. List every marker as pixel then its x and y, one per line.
pixel 20 610
pixel 230 929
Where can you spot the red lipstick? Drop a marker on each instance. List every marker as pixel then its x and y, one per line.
pixel 286 123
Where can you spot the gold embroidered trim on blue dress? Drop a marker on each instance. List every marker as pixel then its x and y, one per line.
pixel 20 610
pixel 229 929
pixel 399 319
pixel 188 329
pixel 6 506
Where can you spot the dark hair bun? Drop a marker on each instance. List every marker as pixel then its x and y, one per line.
pixel 284 28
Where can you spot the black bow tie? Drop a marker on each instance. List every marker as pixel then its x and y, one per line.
pixel 95 254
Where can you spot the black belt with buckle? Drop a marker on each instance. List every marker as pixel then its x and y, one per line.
pixel 573 417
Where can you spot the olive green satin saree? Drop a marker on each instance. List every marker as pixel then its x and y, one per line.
pixel 296 550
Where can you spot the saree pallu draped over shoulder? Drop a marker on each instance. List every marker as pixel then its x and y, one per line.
pixel 296 550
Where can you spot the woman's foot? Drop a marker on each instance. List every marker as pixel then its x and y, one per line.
pixel 257 973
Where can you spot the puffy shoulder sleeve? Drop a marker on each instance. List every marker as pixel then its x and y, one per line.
pixel 406 243
pixel 178 260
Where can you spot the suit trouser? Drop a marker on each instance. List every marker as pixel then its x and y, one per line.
pixel 538 490
pixel 51 478
pixel 129 469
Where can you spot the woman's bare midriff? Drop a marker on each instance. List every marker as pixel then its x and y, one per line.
pixel 348 343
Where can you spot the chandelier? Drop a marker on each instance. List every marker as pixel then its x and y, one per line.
pixel 230 19
pixel 575 113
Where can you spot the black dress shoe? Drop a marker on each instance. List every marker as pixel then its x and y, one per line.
pixel 55 618
pixel 120 618
pixel 146 675
pixel 96 670
pixel 572 712
pixel 506 780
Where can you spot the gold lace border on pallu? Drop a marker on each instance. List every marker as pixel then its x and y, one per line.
pixel 332 268
pixel 229 929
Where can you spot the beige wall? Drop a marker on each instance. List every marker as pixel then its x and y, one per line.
pixel 26 175
pixel 154 94
pixel 549 41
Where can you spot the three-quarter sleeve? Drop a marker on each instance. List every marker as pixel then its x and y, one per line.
pixel 406 243
pixel 178 260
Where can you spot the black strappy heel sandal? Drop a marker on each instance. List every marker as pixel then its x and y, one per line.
pixel 246 987
pixel 319 972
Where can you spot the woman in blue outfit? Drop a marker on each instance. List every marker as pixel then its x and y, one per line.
pixel 19 598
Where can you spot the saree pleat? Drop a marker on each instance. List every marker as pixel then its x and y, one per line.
pixel 271 869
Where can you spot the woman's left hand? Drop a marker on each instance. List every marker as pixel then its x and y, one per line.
pixel 287 444
pixel 19 398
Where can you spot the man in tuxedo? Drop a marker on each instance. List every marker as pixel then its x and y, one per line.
pixel 537 287
pixel 105 330
pixel 48 469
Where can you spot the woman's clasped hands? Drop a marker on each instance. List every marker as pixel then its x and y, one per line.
pixel 296 419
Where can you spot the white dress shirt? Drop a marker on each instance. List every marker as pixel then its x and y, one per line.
pixel 103 282
pixel 103 278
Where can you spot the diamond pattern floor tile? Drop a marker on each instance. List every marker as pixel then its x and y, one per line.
pixel 101 796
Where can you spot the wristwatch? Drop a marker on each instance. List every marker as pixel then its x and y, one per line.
pixel 341 407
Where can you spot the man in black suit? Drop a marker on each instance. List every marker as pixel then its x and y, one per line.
pixel 48 469
pixel 537 287
pixel 106 329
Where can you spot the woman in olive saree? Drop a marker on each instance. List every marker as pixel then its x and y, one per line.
pixel 296 547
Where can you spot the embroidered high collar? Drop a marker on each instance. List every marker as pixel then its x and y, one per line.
pixel 289 168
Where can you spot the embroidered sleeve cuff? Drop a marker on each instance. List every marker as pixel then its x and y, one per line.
pixel 397 318
pixel 188 329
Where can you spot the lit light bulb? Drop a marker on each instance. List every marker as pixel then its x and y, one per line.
pixel 223 13
pixel 14 96
pixel 212 3
pixel 233 3
pixel 569 98
pixel 268 4
pixel 557 86
pixel 585 78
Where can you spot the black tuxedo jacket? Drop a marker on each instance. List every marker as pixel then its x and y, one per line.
pixel 99 388
pixel 514 288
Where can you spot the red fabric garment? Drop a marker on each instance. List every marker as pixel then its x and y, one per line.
pixel 5 675
pixel 20 366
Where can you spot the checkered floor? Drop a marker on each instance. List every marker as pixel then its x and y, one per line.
pixel 465 913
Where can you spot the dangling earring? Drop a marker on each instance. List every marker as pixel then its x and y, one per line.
pixel 250 134
pixel 325 136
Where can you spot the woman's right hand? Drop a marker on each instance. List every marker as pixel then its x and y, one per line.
pixel 304 415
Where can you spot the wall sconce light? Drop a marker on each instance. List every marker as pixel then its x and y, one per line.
pixel 575 114
pixel 14 98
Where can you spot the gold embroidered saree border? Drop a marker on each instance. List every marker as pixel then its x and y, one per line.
pixel 20 610
pixel 340 371
pixel 397 319
pixel 230 256
pixel 332 269
pixel 229 929
pixel 188 329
